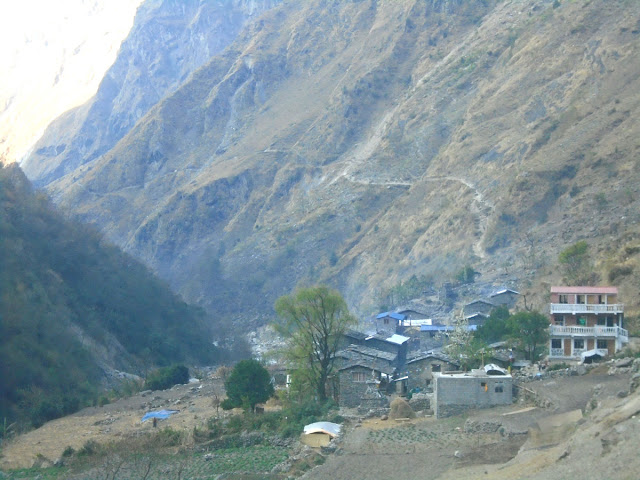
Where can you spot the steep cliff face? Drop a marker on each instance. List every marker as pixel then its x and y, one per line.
pixel 169 40
pixel 54 55
pixel 358 143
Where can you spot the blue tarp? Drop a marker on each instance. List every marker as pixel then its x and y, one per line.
pixel 161 414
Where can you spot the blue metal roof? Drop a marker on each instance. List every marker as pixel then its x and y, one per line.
pixel 443 328
pixel 394 315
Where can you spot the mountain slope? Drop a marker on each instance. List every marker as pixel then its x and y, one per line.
pixel 54 56
pixel 73 309
pixel 168 41
pixel 358 143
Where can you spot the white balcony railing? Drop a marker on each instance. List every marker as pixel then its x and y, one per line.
pixel 576 308
pixel 557 352
pixel 598 331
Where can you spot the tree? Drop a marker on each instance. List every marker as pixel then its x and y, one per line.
pixel 166 377
pixel 248 384
pixel 466 275
pixel 529 330
pixel 463 347
pixel 494 328
pixel 576 265
pixel 314 321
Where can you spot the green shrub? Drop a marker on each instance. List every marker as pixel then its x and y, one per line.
pixel 166 377
pixel 619 271
pixel 558 366
pixel 68 451
pixel 89 448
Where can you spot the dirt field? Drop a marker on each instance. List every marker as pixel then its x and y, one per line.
pixel 461 448
pixel 113 422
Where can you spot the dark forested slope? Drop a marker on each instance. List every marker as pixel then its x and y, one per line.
pixel 74 308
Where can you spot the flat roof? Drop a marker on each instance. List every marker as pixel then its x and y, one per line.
pixel 397 339
pixel 585 290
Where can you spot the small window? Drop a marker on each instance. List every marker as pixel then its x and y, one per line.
pixel 386 321
pixel 580 299
pixel 563 299
pixel 484 386
pixel 578 343
pixel 436 367
pixel 359 376
pixel 602 321
pixel 559 320
pixel 556 343
pixel 601 344
pixel 499 388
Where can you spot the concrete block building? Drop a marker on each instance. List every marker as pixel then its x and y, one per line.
pixel 585 319
pixel 455 393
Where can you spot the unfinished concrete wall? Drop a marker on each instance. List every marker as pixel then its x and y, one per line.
pixel 456 393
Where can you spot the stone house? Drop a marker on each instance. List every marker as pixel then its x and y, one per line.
pixel 363 378
pixel 455 393
pixel 506 297
pixel 388 322
pixel 476 319
pixel 420 369
pixel 478 306
pixel 396 344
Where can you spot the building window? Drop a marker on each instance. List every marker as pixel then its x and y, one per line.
pixel 386 321
pixel 559 320
pixel 556 343
pixel 602 321
pixel 436 367
pixel 580 299
pixel 578 343
pixel 600 300
pixel 563 298
pixel 499 388
pixel 582 321
pixel 359 376
pixel 602 344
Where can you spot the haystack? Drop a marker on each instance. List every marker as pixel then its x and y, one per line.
pixel 400 408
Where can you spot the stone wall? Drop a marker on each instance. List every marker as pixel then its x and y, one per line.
pixel 352 392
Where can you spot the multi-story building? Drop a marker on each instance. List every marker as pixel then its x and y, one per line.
pixel 584 319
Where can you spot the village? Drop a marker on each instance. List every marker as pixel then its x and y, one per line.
pixel 403 353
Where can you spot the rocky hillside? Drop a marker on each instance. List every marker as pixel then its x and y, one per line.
pixel 360 142
pixel 169 40
pixel 54 56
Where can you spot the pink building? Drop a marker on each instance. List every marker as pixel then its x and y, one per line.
pixel 584 319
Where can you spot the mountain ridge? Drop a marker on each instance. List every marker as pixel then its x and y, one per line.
pixel 360 143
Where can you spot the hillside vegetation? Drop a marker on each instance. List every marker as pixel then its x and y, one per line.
pixel 360 143
pixel 73 308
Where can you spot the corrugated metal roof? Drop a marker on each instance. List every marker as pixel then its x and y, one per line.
pixel 504 290
pixel 585 290
pixel 394 315
pixel 443 328
pixel 397 339
pixel 332 429
pixel 436 328
pixel 477 314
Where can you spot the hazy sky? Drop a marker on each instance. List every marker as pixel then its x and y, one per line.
pixel 53 54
